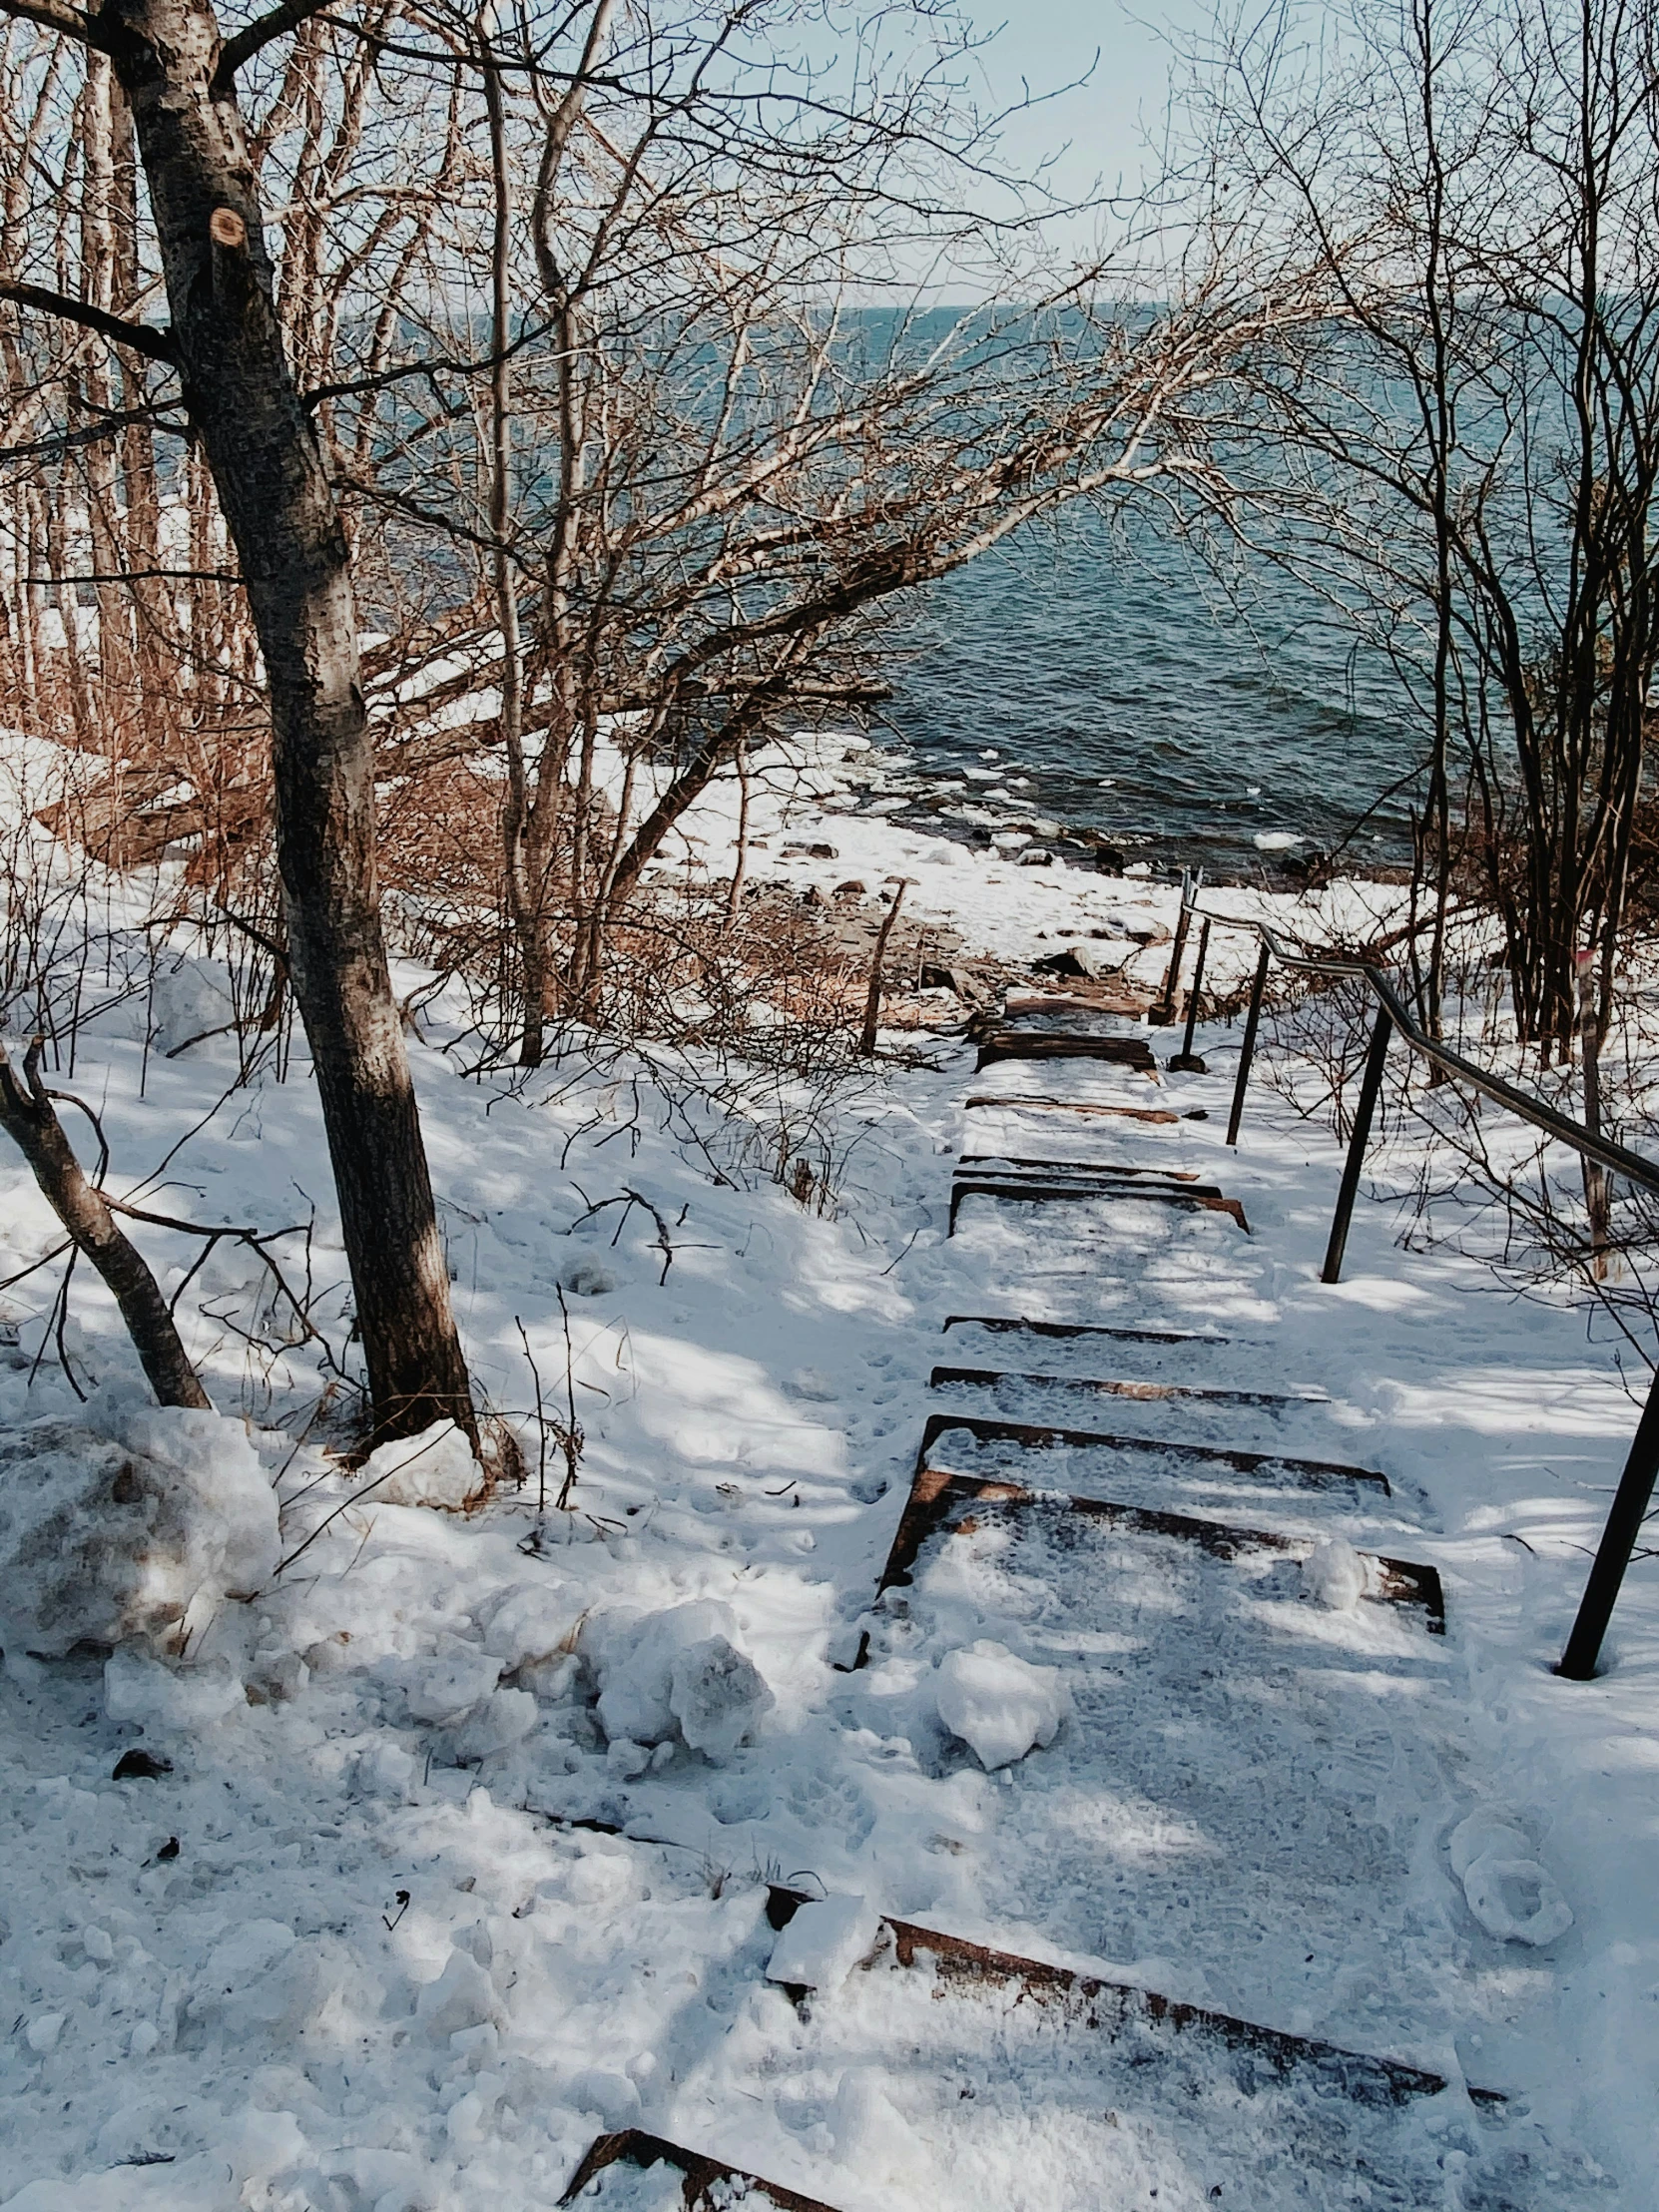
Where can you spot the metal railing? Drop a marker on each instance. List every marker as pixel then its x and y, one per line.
pixel 1636 1483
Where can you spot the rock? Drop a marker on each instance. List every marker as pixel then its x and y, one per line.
pixel 1000 1706
pixel 1036 856
pixel 824 1941
pixel 1075 960
pixel 1140 928
pixel 434 1468
pixel 107 1538
pixel 962 982
pixel 852 889
pixel 1108 858
pixel 139 1766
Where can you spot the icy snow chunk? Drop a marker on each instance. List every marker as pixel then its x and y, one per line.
pixel 531 1624
pixel 463 1996
pixel 718 1697
pixel 589 1278
pixel 138 1688
pixel 612 2095
pixel 43 2032
pixel 824 1942
pixel 1516 1901
pixel 1334 1576
pixel 434 1468
pixel 1000 1706
pixel 651 1689
pixel 1508 1892
pixel 501 1721
pixel 258 1980
pixel 107 1538
pixel 257 2143
pixel 444 1691
pixel 811 1383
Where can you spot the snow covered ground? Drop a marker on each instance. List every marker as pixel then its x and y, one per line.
pixel 460 1849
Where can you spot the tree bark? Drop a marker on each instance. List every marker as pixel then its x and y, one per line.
pixel 279 508
pixel 28 1117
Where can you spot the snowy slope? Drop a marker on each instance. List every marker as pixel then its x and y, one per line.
pixel 353 1948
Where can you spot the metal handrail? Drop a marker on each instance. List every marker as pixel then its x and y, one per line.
pixel 1636 1485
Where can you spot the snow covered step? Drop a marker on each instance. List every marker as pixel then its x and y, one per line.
pixel 1270 1489
pixel 693 2181
pixel 1251 1782
pixel 1017 1188
pixel 950 2073
pixel 1046 1169
pixel 1127 1258
pixel 1047 1110
pixel 1217 1416
pixel 945 1500
pixel 1080 1348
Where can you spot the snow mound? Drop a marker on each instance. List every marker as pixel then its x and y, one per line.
pixel 106 1537
pixel 1334 1576
pixel 1508 1892
pixel 824 1942
pixel 675 1673
pixel 1001 1707
pixel 434 1468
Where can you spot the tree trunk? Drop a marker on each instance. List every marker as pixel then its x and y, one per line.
pixel 28 1117
pixel 279 508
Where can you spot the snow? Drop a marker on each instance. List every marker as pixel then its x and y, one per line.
pixel 434 1468
pixel 1334 1575
pixel 1000 1706
pixel 463 1850
pixel 132 1529
pixel 825 1941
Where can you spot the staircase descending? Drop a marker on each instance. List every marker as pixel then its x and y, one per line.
pixel 1158 1508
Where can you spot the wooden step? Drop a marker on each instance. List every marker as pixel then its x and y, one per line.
pixel 1067 1044
pixel 1109 2007
pixel 943 1502
pixel 708 2185
pixel 1041 1437
pixel 1015 1191
pixel 1203 1393
pixel 1014 1104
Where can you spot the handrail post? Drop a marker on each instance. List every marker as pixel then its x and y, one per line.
pixel 1618 1541
pixel 1248 1053
pixel 1370 1085
pixel 1185 1060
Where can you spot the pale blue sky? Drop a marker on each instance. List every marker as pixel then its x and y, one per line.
pixel 1051 42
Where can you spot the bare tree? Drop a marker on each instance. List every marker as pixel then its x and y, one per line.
pixel 1466 452
pixel 178 75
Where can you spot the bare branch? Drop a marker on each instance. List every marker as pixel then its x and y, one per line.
pixel 140 337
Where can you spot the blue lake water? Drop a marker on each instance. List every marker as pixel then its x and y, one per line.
pixel 1121 692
